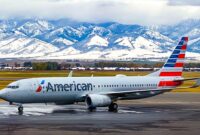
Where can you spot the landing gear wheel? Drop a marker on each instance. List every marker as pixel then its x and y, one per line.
pixel 113 107
pixel 20 109
pixel 91 109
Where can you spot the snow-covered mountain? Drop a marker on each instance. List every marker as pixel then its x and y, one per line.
pixel 97 41
pixel 66 39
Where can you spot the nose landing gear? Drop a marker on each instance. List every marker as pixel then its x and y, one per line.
pixel 20 107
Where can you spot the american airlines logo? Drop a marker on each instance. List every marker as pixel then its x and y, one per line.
pixel 39 89
pixel 65 87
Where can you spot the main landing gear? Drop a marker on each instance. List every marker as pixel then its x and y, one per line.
pixel 113 107
pixel 92 109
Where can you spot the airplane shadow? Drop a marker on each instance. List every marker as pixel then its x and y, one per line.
pixel 65 111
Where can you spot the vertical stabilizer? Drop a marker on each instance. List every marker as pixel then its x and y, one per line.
pixel 174 64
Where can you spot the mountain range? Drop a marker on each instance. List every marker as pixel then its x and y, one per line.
pixel 67 39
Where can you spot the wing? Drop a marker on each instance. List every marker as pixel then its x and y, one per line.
pixel 124 93
pixel 121 93
pixel 117 93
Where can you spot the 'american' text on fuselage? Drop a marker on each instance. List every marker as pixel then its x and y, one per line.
pixel 69 87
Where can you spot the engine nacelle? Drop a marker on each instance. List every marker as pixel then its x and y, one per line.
pixel 95 100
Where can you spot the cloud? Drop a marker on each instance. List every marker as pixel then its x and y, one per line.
pixel 184 2
pixel 146 12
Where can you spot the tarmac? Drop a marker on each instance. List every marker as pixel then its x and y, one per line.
pixel 170 113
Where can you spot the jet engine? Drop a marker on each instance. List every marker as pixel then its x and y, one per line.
pixel 95 100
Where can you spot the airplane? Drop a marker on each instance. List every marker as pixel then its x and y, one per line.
pixel 100 91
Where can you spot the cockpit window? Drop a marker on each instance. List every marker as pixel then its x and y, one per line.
pixel 13 87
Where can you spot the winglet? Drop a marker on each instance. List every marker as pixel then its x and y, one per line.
pixel 70 73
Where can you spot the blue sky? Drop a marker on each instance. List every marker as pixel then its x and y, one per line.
pixel 145 12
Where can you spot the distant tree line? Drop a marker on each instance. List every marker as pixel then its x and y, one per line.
pixel 192 65
pixel 145 65
pixel 128 64
pixel 46 66
pixel 49 66
pixel 65 65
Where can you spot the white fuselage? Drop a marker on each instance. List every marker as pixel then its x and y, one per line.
pixel 67 90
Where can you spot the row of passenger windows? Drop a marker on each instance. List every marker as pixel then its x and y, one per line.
pixel 125 85
pixel 13 87
pixel 128 85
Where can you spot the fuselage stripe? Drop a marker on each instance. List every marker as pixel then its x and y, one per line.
pixel 170 73
pixel 169 83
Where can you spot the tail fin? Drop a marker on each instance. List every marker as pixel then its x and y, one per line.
pixel 174 65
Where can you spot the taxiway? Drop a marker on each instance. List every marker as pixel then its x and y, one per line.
pixel 170 113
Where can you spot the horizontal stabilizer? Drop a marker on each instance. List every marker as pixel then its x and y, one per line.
pixel 197 83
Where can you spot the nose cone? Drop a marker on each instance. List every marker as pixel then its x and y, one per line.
pixel 3 94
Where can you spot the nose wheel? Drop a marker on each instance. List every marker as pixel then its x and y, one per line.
pixel 20 109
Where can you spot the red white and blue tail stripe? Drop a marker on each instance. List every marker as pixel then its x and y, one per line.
pixel 174 65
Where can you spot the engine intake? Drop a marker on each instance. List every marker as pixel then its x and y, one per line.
pixel 95 100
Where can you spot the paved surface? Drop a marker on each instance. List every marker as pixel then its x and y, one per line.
pixel 172 113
